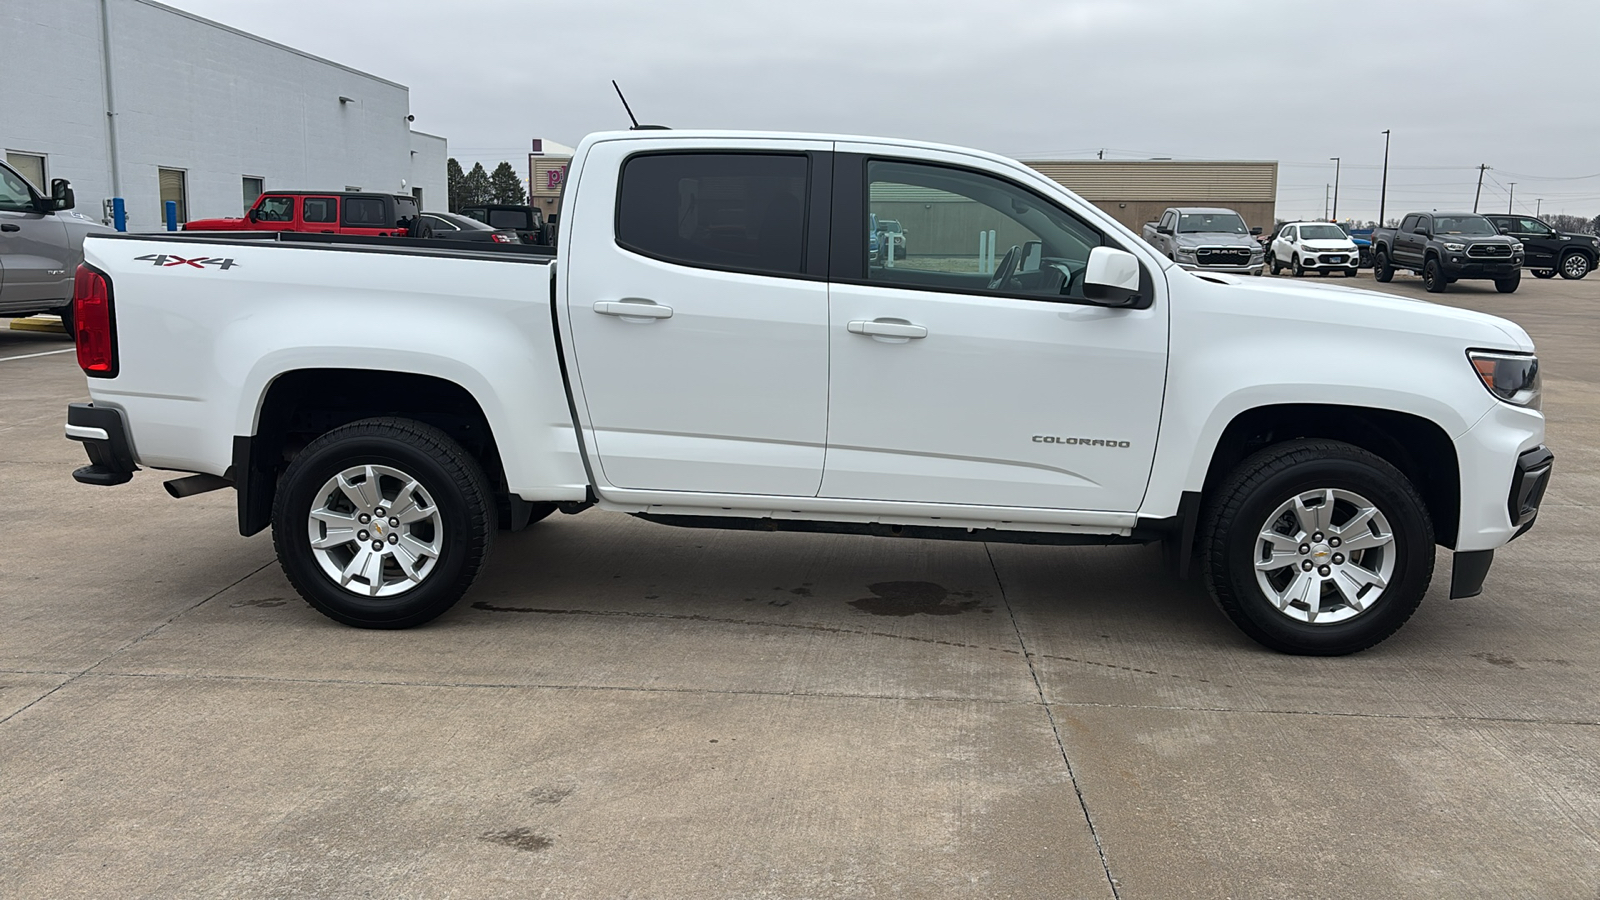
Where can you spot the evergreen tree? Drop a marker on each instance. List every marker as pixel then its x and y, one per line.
pixel 455 184
pixel 507 185
pixel 475 188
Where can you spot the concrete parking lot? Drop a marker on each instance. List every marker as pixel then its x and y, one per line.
pixel 621 709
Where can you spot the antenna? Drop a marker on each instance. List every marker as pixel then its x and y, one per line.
pixel 626 108
pixel 629 110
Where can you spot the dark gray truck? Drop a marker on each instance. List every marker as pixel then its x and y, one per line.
pixel 1446 247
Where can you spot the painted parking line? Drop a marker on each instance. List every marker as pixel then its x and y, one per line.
pixel 32 355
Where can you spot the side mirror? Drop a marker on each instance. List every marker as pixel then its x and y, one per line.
pixel 1256 231
pixel 253 215
pixel 1505 229
pixel 61 195
pixel 1162 229
pixel 1112 278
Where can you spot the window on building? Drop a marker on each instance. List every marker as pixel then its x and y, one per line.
pixel 252 189
pixel 173 189
pixel 364 212
pixel 29 166
pixel 743 211
pixel 322 209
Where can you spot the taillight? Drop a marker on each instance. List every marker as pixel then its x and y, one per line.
pixel 93 331
pixel 503 238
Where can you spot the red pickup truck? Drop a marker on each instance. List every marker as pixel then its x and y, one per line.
pixel 329 212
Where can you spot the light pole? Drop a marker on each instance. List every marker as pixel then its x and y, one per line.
pixel 1325 189
pixel 1383 192
pixel 1538 204
pixel 1335 187
pixel 1510 197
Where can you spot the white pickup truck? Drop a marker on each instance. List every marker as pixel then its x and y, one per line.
pixel 712 347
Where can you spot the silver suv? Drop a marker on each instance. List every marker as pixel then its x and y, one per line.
pixel 41 245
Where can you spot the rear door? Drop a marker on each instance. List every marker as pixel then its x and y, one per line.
pixel 1004 388
pixel 319 214
pixel 697 314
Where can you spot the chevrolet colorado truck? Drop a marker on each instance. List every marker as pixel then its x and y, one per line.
pixel 710 346
pixel 1216 240
pixel 1446 247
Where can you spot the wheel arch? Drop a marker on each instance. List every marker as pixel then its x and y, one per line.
pixel 1418 447
pixel 300 404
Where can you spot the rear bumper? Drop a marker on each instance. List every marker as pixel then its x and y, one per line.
pixel 104 435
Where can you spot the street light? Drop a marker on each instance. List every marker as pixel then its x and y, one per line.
pixel 1335 187
pixel 1511 197
pixel 1383 192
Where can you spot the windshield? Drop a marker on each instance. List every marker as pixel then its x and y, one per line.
pixel 888 225
pixel 1321 233
pixel 1465 225
pixel 1225 223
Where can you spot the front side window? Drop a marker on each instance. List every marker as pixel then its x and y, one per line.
pixel 276 209
pixel 1532 226
pixel 971 232
pixel 739 211
pixel 14 192
pixel 364 212
pixel 323 210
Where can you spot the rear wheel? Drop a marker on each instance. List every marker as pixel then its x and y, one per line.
pixel 1508 285
pixel 1433 277
pixel 1381 270
pixel 66 313
pixel 383 523
pixel 1575 265
pixel 1317 548
pixel 1272 260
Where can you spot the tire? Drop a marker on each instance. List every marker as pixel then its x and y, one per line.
pixel 1433 276
pixel 1508 285
pixel 1351 273
pixel 1575 265
pixel 443 542
pixel 1272 261
pixel 1359 602
pixel 1543 273
pixel 1299 270
pixel 1382 272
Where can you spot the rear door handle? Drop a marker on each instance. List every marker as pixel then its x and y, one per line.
pixel 887 328
pixel 10 227
pixel 633 308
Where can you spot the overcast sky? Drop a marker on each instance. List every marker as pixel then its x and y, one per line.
pixel 1510 84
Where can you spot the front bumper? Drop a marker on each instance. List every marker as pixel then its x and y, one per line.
pixel 1469 568
pixel 1335 259
pixel 1456 265
pixel 1251 269
pixel 104 435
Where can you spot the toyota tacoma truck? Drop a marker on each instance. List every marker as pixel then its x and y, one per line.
pixel 708 346
pixel 1216 240
pixel 1446 247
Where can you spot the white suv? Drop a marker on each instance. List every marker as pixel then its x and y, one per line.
pixel 1313 246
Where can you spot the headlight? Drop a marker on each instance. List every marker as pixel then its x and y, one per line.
pixel 1512 377
pixel 1516 248
pixel 1456 247
pixel 1186 251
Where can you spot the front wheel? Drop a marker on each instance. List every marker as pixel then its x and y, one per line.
pixel 1508 285
pixel 1299 270
pixel 1351 273
pixel 1317 548
pixel 1433 277
pixel 1574 265
pixel 383 523
pixel 1381 270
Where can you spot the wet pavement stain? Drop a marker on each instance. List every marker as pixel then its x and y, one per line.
pixel 550 796
pixel 524 839
pixel 910 598
pixel 263 602
pixel 1493 659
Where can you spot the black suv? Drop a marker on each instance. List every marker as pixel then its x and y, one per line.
pixel 1549 251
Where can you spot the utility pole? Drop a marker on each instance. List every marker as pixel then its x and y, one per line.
pixel 1537 205
pixel 1511 197
pixel 1102 154
pixel 1482 167
pixel 1335 187
pixel 1383 192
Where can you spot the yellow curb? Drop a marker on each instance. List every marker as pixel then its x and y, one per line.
pixel 47 324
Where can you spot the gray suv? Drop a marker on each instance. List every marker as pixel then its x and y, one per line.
pixel 41 245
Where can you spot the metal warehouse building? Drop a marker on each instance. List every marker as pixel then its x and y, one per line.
pixel 1137 191
pixel 134 99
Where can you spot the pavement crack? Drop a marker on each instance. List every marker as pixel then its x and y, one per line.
pixel 1055 729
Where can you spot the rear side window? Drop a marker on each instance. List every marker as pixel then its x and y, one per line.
pixel 739 211
pixel 508 218
pixel 364 212
pixel 321 209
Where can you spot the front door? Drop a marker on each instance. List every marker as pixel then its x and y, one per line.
pixel 697 309
pixel 33 243
pixel 985 380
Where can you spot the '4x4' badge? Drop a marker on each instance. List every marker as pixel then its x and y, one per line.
pixel 199 262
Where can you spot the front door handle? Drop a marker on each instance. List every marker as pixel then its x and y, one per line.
pixel 633 308
pixel 895 328
pixel 10 227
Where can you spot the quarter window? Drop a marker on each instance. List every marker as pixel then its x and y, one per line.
pixel 739 211
pixel 973 233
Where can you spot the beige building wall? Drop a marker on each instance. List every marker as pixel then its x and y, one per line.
pixel 1137 191
pixel 547 175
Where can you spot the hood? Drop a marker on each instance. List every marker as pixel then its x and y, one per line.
pixel 1347 305
pixel 1330 245
pixel 226 223
pixel 1216 239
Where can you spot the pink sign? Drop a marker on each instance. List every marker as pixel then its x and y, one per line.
pixel 553 178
